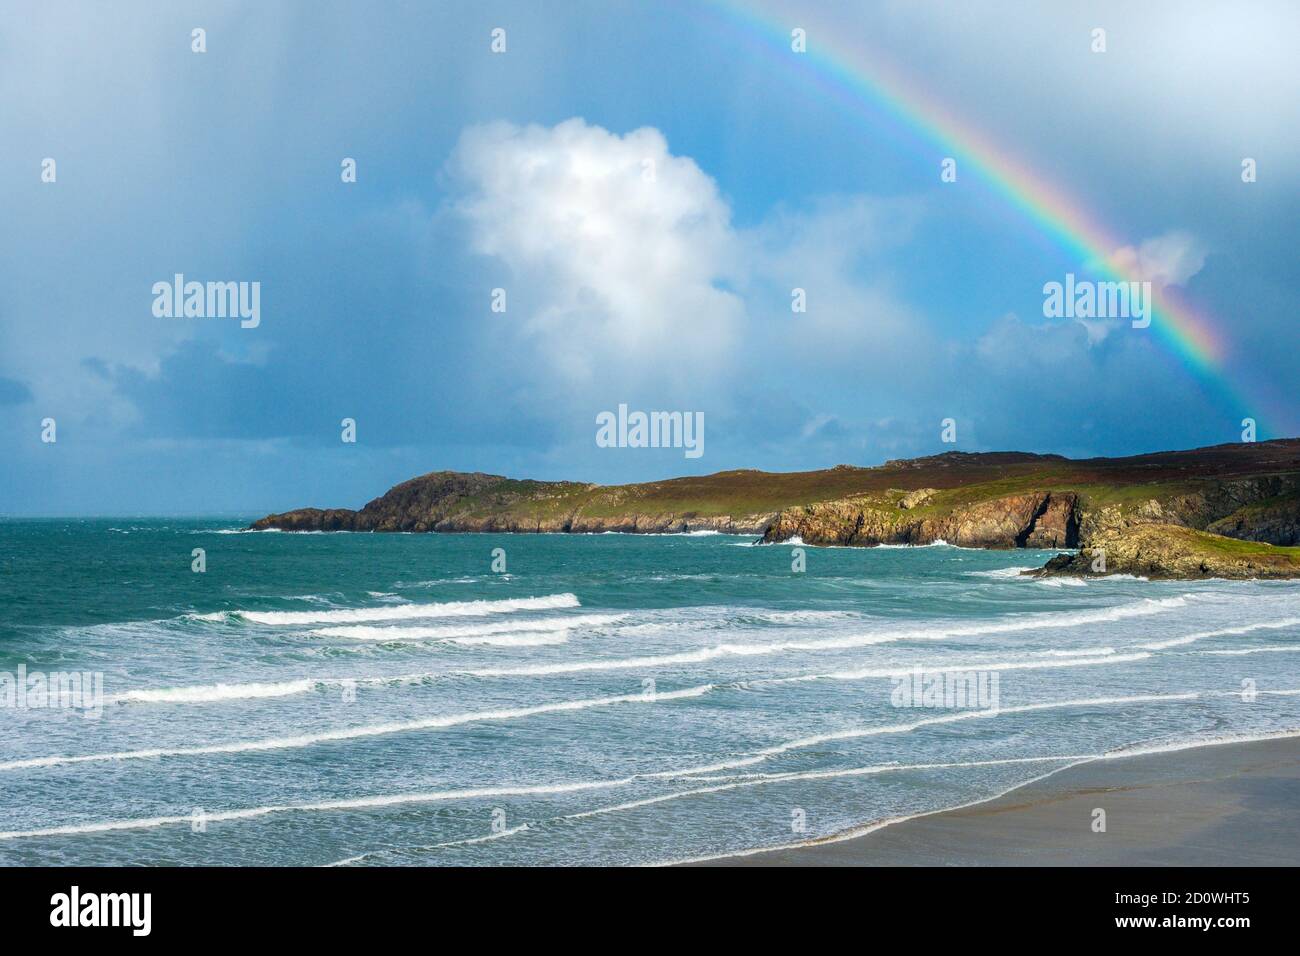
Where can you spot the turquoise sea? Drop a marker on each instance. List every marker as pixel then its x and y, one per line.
pixel 377 699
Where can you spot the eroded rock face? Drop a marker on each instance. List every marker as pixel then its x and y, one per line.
pixel 1056 525
pixel 432 520
pixel 1265 508
pixel 1036 520
pixel 1280 525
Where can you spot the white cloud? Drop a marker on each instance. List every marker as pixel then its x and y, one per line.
pixel 832 250
pixel 617 248
pixel 622 280
pixel 1168 259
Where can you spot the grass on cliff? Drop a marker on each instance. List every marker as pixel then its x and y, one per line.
pixel 733 493
pixel 739 493
pixel 747 492
pixel 1238 547
pixel 1204 546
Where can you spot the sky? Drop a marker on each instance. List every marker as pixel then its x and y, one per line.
pixel 646 184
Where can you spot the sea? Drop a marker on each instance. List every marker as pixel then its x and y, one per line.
pixel 184 692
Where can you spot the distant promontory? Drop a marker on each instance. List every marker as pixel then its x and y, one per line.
pixel 1229 511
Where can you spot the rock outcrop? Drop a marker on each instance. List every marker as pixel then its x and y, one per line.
pixel 1173 551
pixel 1036 520
pixel 914 499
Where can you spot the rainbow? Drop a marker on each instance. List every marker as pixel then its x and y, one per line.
pixel 869 85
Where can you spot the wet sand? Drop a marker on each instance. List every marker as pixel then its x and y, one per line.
pixel 1232 804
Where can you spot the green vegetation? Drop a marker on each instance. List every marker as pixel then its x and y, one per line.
pixel 1195 540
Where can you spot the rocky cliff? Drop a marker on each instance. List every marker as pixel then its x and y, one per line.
pixel 1163 513
pixel 1041 519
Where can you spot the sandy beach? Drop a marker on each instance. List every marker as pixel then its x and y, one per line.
pixel 1229 804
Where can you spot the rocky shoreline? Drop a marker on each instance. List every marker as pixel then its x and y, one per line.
pixel 1230 511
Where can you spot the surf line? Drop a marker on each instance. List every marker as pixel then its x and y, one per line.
pixel 220 693
pixel 360 803
pixel 676 795
pixel 352 733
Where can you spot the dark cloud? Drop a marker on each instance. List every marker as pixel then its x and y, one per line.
pixel 13 392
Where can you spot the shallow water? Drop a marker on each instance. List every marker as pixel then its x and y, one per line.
pixel 388 699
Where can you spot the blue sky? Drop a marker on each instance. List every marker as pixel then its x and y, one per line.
pixel 520 170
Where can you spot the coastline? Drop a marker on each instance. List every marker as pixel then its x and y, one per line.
pixel 1219 803
pixel 1226 511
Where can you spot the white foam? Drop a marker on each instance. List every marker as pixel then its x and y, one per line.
pixel 1084 651
pixel 931 633
pixel 210 693
pixel 936 543
pixel 1053 582
pixel 360 803
pixel 1222 632
pixel 407 851
pixel 525 639
pixel 355 803
pixel 354 733
pixel 756 780
pixel 874 730
pixel 216 693
pixel 1014 573
pixel 400 612
pixel 801 617
pixel 434 583
pixel 1173 642
pixel 904 670
pixel 1146 750
pixel 1252 650
pixel 471 633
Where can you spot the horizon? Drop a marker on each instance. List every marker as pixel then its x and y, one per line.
pixel 256 513
pixel 840 235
